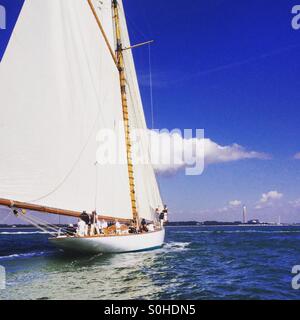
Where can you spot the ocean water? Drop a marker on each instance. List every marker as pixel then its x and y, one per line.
pixel 195 263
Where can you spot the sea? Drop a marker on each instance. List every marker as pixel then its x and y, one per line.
pixel 195 263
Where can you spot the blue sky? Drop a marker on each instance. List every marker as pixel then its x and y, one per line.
pixel 232 68
pixel 12 11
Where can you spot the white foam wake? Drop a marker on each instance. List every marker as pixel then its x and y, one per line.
pixel 22 232
pixel 178 246
pixel 23 255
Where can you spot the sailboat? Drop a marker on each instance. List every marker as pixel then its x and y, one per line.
pixel 67 72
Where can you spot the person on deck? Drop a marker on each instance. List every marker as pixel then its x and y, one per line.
pixel 118 227
pixel 165 211
pixel 81 228
pixel 157 213
pixel 132 227
pixel 104 225
pixel 94 227
pixel 144 226
pixel 99 226
pixel 157 216
pixel 86 219
pixel 162 218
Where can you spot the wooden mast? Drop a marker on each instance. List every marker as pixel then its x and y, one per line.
pixel 121 68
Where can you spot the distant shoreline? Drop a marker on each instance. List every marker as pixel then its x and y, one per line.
pixel 233 225
pixel 182 226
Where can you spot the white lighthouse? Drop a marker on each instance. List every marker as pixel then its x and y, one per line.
pixel 244 214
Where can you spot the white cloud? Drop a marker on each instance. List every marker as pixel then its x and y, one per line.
pixel 268 199
pixel 235 203
pixel 271 195
pixel 232 206
pixel 204 151
pixel 215 153
pixel 297 156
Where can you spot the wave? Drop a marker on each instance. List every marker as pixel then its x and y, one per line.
pixel 23 255
pixel 238 231
pixel 178 246
pixel 259 231
pixel 22 232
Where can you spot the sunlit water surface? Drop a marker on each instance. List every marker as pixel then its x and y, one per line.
pixel 195 263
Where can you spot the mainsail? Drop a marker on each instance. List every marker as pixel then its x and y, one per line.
pixel 59 86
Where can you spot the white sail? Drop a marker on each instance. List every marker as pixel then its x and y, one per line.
pixel 58 87
pixel 147 190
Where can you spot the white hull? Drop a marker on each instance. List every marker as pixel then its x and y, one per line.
pixel 111 244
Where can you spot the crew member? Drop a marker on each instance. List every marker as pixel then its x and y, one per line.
pixel 99 226
pixel 81 231
pixel 104 225
pixel 162 218
pixel 144 226
pixel 157 213
pixel 166 211
pixel 86 218
pixel 157 216
pixel 132 227
pixel 94 227
pixel 118 227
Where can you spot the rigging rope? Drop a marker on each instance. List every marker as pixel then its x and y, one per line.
pixel 44 223
pixel 39 223
pixel 5 218
pixel 28 220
